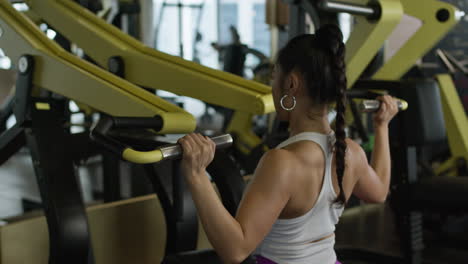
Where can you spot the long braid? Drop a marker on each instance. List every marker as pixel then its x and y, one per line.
pixel 333 39
pixel 340 144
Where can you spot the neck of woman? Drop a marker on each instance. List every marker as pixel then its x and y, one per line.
pixel 309 121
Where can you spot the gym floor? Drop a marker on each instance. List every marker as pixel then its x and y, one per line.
pixel 371 227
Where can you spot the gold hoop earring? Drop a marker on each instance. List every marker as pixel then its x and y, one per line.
pixel 286 108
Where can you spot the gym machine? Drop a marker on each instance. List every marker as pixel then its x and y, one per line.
pixel 48 75
pixel 121 54
pixel 414 192
pixel 454 117
pixel 118 52
pixel 146 112
pixel 105 47
pixel 179 210
pixel 429 99
pixel 117 68
pixel 438 19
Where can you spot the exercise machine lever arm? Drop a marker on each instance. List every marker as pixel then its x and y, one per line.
pixel 100 134
pixel 168 152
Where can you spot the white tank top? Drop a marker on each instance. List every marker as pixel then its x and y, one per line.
pixel 289 240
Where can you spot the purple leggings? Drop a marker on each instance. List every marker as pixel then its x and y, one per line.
pixel 263 260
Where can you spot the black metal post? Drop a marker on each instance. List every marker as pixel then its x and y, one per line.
pixel 179 208
pixel 411 229
pixel 59 186
pixel 111 177
pixel 297 25
pixel 404 175
pixel 110 162
pixel 181 28
pixel 41 123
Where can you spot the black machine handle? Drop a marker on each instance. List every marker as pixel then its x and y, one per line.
pixel 100 132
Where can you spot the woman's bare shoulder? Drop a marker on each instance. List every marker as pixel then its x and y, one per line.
pixel 355 155
pixel 277 158
pixel 275 163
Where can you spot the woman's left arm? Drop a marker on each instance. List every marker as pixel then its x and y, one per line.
pixel 235 238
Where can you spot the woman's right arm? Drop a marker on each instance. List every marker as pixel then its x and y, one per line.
pixel 374 180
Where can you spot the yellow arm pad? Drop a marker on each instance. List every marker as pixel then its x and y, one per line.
pixel 177 122
pixel 142 157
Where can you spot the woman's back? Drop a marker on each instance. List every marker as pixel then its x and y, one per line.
pixel 304 231
pixel 310 163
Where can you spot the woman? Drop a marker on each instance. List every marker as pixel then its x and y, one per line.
pixel 289 211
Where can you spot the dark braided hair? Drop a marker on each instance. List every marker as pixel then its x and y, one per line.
pixel 320 58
